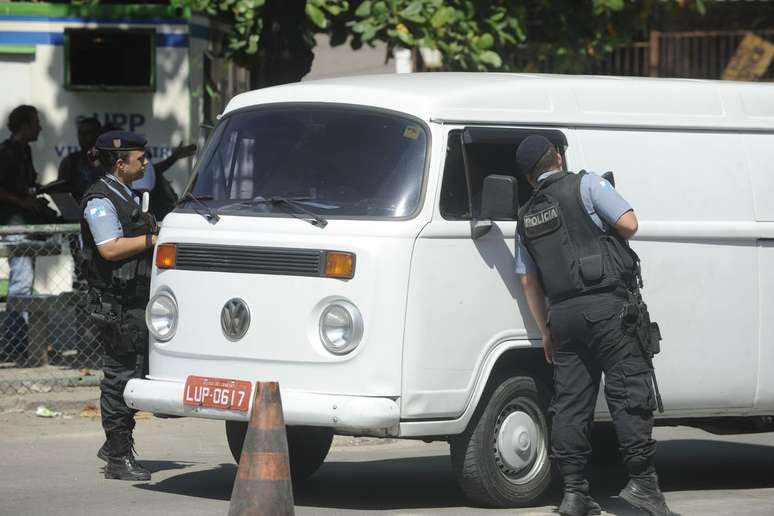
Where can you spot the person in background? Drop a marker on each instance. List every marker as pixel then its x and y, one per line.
pixel 78 169
pixel 19 206
pixel 162 196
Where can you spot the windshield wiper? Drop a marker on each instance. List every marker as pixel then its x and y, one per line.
pixel 313 218
pixel 208 214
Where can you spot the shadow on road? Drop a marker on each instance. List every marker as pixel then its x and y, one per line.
pixel 212 484
pixel 409 483
pixel 428 482
pixel 154 466
pixel 694 464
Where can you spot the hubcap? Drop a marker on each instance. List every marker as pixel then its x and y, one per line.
pixel 519 445
pixel 517 441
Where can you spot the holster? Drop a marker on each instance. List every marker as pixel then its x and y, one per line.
pixel 637 323
pixel 120 328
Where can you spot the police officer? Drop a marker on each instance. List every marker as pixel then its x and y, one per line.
pixel 118 240
pixel 572 251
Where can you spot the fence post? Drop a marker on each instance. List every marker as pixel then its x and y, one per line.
pixel 653 53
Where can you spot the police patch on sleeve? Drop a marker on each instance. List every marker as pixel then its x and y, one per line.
pixel 97 211
pixel 542 222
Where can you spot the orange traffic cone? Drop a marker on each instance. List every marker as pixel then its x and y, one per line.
pixel 262 485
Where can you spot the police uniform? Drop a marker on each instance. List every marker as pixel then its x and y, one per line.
pixel 565 237
pixel 118 295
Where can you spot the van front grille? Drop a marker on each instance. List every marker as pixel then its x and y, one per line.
pixel 250 260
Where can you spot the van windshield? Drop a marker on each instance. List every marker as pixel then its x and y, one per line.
pixel 334 161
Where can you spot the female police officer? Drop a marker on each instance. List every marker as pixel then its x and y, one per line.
pixel 571 250
pixel 118 242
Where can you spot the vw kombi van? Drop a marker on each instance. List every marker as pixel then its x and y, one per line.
pixel 353 239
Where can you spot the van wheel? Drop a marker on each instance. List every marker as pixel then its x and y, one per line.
pixel 501 460
pixel 307 446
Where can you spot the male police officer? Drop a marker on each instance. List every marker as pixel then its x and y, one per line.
pixel 572 250
pixel 118 242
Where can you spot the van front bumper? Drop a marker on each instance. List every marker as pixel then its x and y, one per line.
pixel 347 414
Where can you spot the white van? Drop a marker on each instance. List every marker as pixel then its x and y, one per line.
pixel 336 245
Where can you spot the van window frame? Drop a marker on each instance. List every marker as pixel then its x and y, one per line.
pixel 279 106
pixel 477 134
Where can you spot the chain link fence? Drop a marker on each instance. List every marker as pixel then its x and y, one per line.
pixel 47 341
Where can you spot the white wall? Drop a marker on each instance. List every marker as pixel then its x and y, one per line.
pixel 342 60
pixel 162 116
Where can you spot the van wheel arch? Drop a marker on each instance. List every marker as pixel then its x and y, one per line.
pixel 307 446
pixel 513 404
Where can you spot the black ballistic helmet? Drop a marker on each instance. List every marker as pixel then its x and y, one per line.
pixel 531 150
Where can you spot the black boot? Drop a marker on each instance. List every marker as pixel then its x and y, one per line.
pixel 104 451
pixel 643 493
pixel 576 500
pixel 578 504
pixel 121 464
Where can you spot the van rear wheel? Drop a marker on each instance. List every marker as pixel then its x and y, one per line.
pixel 501 460
pixel 307 446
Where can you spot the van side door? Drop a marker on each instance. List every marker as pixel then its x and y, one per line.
pixel 464 296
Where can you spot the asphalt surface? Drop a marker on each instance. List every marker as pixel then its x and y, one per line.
pixel 49 467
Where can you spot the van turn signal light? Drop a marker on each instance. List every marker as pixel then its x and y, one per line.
pixel 166 256
pixel 339 265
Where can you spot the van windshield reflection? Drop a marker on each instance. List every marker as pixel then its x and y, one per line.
pixel 333 161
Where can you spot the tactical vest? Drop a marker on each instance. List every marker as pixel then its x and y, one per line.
pixel 128 278
pixel 574 257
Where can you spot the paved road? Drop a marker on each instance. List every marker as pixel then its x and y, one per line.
pixel 49 467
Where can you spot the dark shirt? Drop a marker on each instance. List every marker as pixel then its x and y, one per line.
pixel 77 170
pixel 17 176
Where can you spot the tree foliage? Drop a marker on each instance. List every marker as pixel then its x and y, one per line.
pixel 472 35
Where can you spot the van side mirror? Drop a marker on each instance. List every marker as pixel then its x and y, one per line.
pixel 499 198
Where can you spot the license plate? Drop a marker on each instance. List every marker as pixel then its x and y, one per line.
pixel 220 393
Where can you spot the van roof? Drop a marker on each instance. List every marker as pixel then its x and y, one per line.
pixel 525 99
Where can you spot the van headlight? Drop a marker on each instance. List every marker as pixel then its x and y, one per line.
pixel 341 327
pixel 161 316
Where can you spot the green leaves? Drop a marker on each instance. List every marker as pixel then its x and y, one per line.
pixel 477 35
pixel 316 15
pixel 443 16
pixel 600 6
pixel 470 35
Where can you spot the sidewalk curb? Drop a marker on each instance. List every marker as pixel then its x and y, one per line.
pixel 68 401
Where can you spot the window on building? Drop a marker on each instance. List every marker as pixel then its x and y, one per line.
pixel 110 59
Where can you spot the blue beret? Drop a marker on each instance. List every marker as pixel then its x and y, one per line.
pixel 120 141
pixel 530 152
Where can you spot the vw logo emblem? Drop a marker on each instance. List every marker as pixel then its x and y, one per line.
pixel 235 319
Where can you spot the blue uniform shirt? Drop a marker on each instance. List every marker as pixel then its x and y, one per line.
pixel 602 202
pixel 101 215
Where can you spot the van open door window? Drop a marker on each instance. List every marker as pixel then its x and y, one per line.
pixel 477 152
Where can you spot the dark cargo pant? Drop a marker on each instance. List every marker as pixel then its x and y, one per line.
pixel 588 339
pixel 118 369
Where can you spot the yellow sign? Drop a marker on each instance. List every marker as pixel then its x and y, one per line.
pixel 411 132
pixel 751 60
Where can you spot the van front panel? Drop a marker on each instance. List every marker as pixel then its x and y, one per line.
pixel 283 340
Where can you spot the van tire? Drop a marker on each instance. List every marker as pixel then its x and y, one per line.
pixel 307 446
pixel 482 470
